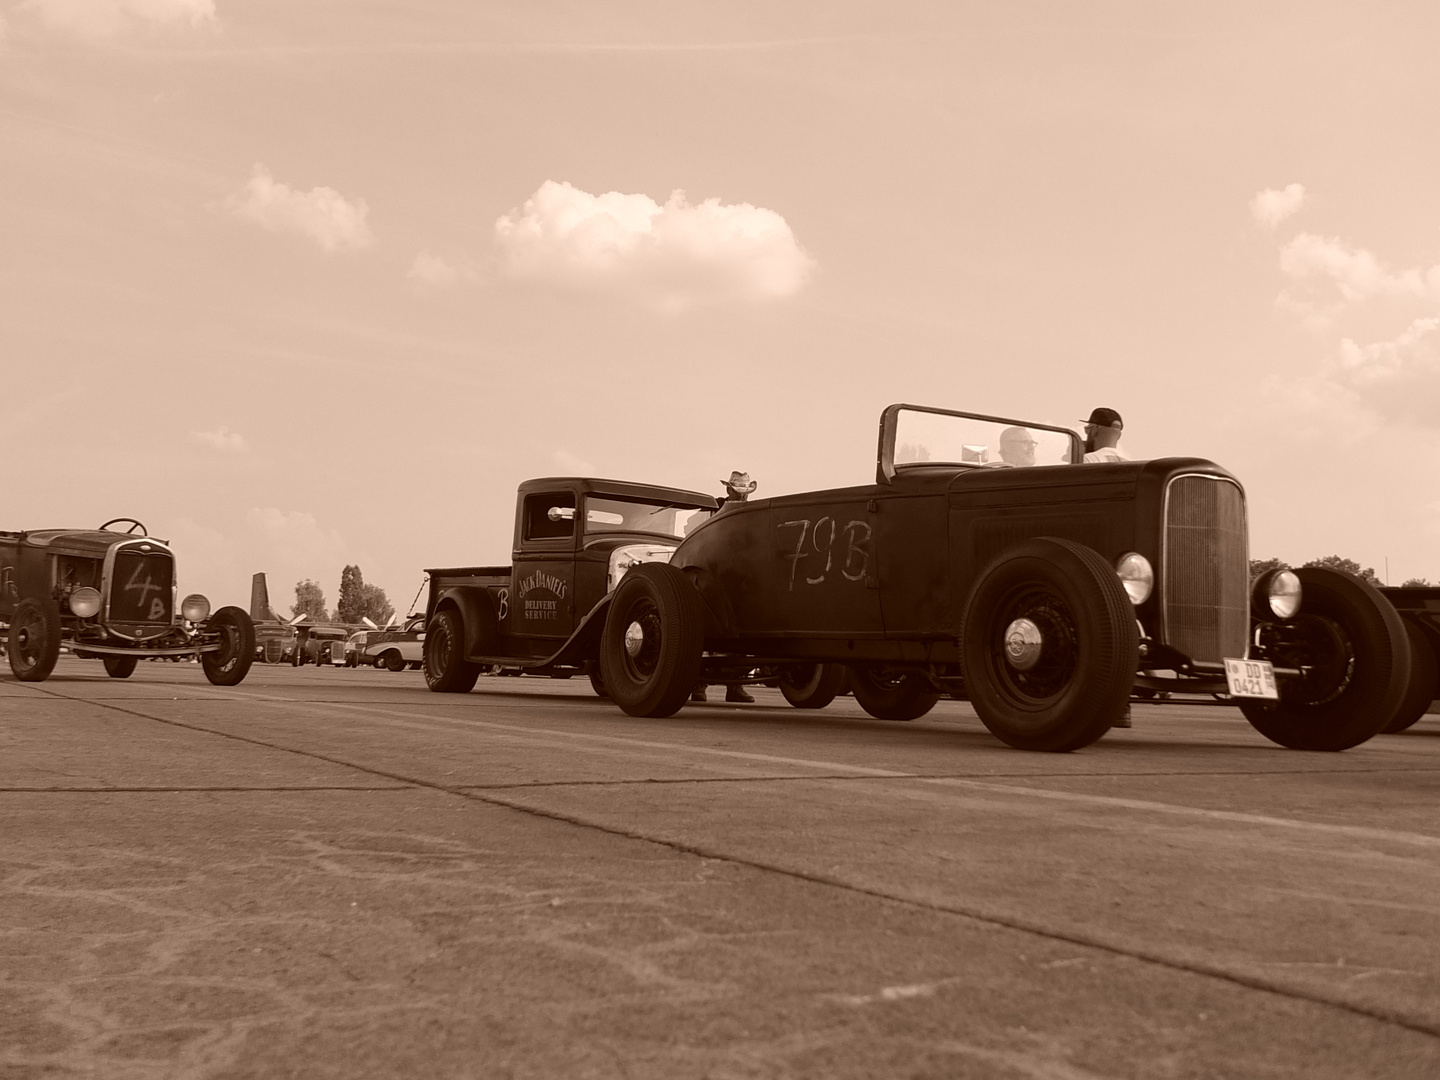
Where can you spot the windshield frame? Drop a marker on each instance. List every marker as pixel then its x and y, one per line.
pixel 885 467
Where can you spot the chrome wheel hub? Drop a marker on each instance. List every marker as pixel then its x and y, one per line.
pixel 634 639
pixel 1023 644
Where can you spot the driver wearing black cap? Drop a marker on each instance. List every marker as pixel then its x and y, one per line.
pixel 1102 436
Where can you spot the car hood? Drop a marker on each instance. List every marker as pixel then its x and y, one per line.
pixel 91 543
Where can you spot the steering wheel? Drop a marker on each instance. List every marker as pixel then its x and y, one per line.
pixel 134 525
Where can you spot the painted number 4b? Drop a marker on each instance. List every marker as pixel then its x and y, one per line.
pixel 1250 678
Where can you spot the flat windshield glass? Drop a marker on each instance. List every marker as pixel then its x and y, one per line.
pixel 923 438
pixel 608 515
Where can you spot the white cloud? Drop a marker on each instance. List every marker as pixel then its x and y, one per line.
pixel 568 464
pixel 439 272
pixel 322 214
pixel 222 439
pixel 673 257
pixel 102 18
pixel 1273 205
pixel 1414 354
pixel 1356 273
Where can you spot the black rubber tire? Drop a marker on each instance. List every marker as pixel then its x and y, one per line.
pixel 231 663
pixel 597 681
pixel 812 686
pixel 34 638
pixel 893 695
pixel 1424 685
pixel 1081 683
pixel 120 667
pixel 656 679
pixel 446 669
pixel 1358 647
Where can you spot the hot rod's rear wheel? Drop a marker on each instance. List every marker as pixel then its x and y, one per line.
pixel 1049 646
pixel 229 664
pixel 812 686
pixel 893 695
pixel 1352 643
pixel 1424 685
pixel 120 667
pixel 597 681
pixel 446 669
pixel 651 644
pixel 34 643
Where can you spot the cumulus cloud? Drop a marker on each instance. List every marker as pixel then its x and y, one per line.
pixel 673 257
pixel 436 271
pixel 1356 273
pixel 221 439
pixel 1273 205
pixel 321 214
pixel 102 18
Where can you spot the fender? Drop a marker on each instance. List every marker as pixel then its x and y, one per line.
pixel 477 612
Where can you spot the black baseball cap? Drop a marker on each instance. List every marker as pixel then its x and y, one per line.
pixel 1105 418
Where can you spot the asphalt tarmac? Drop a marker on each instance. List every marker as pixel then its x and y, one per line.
pixel 335 873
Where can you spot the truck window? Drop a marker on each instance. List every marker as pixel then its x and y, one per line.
pixel 549 516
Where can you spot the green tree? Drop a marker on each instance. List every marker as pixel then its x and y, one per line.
pixel 309 600
pixel 1350 566
pixel 374 605
pixel 351 605
pixel 1418 583
pixel 1259 566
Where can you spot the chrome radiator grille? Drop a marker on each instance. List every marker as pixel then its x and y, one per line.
pixel 1205 583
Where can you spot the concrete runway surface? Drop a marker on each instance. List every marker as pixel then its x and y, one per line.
pixel 335 873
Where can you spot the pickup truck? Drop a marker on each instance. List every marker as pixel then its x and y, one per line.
pixel 575 537
pixel 1419 607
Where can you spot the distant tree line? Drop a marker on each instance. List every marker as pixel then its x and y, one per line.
pixel 358 601
pixel 1333 562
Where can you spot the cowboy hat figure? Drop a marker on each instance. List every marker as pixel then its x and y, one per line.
pixel 739 485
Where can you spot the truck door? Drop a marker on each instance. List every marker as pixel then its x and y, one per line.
pixel 541 602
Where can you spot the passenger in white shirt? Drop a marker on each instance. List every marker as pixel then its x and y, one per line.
pixel 1102 436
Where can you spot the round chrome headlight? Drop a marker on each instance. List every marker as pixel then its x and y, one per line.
pixel 1276 594
pixel 195 607
pixel 85 601
pixel 1137 575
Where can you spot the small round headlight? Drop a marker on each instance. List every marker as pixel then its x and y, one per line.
pixel 85 601
pixel 195 607
pixel 1137 575
pixel 1277 593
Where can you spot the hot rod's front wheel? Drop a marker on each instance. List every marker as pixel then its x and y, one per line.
pixel 34 643
pixel 1350 643
pixel 1049 646
pixel 893 695
pixel 229 664
pixel 651 644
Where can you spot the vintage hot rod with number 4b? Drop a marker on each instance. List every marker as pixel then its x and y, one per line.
pixel 110 594
pixel 986 560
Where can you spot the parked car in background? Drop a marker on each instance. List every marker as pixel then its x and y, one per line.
pixel 394 648
pixel 109 594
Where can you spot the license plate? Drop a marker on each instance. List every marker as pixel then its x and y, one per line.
pixel 1251 678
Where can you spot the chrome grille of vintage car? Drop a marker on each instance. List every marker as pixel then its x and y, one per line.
pixel 1205 576
pixel 142 588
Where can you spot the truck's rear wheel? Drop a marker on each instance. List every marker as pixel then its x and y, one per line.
pixel 1351 642
pixel 893 695
pixel 231 662
pixel 1424 686
pixel 120 667
pixel 34 639
pixel 394 661
pixel 1049 646
pixel 812 686
pixel 446 669
pixel 651 644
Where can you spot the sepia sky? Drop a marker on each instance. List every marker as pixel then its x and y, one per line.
pixel 301 283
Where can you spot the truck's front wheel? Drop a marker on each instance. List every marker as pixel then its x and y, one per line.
pixel 446 669
pixel 650 647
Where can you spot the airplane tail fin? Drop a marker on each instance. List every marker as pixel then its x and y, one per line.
pixel 260 600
